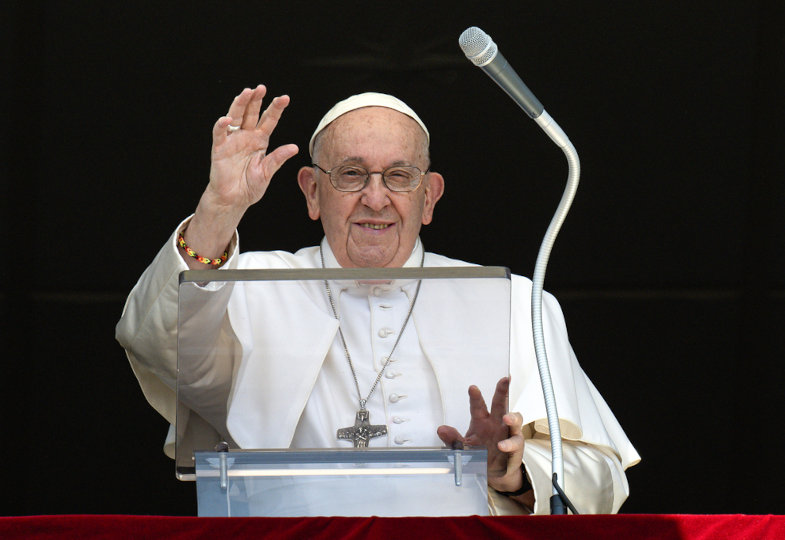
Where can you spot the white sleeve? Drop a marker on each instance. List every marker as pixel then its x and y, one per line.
pixel 596 450
pixel 594 479
pixel 148 331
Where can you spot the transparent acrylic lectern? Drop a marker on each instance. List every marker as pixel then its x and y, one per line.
pixel 251 345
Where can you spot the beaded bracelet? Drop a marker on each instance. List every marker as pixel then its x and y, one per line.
pixel 203 260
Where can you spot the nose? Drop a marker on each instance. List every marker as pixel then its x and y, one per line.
pixel 375 194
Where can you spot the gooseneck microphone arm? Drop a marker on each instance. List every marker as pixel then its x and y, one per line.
pixel 483 52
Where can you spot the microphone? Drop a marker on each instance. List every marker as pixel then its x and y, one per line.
pixel 483 53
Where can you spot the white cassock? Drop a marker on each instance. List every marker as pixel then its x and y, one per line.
pixel 280 385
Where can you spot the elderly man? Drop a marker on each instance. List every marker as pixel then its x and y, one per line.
pixel 371 185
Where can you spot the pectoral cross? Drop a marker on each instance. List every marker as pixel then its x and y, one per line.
pixel 362 431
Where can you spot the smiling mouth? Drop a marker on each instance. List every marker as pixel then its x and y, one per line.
pixel 375 226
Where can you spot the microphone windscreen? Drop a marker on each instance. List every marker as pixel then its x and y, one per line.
pixel 477 46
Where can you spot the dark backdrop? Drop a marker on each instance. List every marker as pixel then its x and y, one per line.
pixel 669 268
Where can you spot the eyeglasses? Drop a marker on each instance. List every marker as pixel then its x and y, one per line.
pixel 401 178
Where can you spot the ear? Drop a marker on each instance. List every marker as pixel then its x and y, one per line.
pixel 306 178
pixel 434 189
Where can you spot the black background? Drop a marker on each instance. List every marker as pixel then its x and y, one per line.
pixel 669 267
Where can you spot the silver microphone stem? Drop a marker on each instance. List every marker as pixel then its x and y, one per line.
pixel 538 279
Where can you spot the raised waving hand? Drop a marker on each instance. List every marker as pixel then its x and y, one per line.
pixel 241 168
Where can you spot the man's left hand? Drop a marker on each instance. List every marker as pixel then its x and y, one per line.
pixel 499 431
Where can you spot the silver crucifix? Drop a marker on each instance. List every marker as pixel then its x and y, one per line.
pixel 362 431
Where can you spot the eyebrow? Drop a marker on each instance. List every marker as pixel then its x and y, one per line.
pixel 361 161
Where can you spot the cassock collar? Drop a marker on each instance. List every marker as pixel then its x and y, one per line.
pixel 365 289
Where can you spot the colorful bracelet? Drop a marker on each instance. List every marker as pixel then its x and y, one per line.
pixel 203 260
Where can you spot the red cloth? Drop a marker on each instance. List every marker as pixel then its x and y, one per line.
pixel 520 527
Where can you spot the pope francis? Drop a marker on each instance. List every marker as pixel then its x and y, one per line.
pixel 361 353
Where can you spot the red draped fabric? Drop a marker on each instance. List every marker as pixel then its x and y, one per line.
pixel 519 527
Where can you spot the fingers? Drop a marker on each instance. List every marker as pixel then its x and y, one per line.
pixel 499 402
pixel 514 443
pixel 243 105
pixel 243 118
pixel 515 421
pixel 271 116
pixel 251 113
pixel 244 114
pixel 508 476
pixel 477 407
pixel 449 435
pixel 221 130
pixel 269 164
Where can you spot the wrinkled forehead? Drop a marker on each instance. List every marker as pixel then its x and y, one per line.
pixel 372 131
pixel 360 101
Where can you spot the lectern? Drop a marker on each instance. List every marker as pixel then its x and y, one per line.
pixel 241 462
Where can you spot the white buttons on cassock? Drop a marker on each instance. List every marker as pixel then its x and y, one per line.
pixel 391 374
pixel 400 439
pixel 399 419
pixel 384 332
pixel 395 398
pixel 379 291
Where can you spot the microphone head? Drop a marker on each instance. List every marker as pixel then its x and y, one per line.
pixel 477 46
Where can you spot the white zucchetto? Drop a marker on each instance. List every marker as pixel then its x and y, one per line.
pixel 367 99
